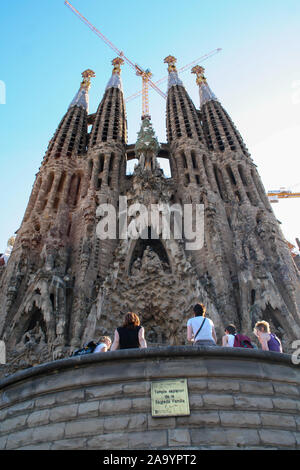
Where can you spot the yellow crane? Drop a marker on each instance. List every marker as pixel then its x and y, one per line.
pixel 144 74
pixel 282 193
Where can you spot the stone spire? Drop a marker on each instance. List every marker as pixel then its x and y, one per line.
pixel 219 130
pixel 182 118
pixel 115 79
pixel 81 98
pixel 173 74
pixel 110 119
pixel 204 90
pixel 70 137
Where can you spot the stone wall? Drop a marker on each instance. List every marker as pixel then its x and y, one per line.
pixel 238 399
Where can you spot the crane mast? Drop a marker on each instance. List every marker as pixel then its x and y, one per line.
pixel 145 74
pixel 181 70
pixel 282 193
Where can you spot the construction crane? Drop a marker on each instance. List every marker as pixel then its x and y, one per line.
pixel 144 74
pixel 281 193
pixel 181 70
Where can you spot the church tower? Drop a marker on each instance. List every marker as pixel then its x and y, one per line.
pixel 36 286
pixel 262 273
pixel 105 168
pixel 64 285
pixel 107 152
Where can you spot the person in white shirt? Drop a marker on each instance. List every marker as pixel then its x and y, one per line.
pixel 201 330
pixel 104 344
pixel 228 338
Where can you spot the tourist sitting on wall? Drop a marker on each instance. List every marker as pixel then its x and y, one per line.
pixel 130 335
pixel 201 330
pixel 232 339
pixel 268 341
pixel 228 338
pixel 103 345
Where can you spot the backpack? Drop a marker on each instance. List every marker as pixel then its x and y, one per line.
pixel 87 349
pixel 242 341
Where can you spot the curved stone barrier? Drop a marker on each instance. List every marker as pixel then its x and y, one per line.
pixel 238 399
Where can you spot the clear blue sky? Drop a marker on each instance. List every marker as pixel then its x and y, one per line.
pixel 44 48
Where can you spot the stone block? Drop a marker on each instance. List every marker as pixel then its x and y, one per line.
pixel 115 406
pixel 3 414
pixel 203 418
pixel 285 404
pixel 44 446
pixel 168 369
pixel 281 373
pixel 217 401
pixel 196 401
pixel 20 408
pixel 257 388
pixel 238 419
pixel 231 368
pixel 3 441
pixel 19 439
pixel 48 433
pixel 195 385
pixel 141 404
pixel 63 413
pixel 70 396
pixel 138 388
pixel 297 437
pixel 253 403
pixel 90 408
pixel 84 427
pixel 118 423
pixel 242 438
pixel 204 436
pixel 223 385
pixel 69 444
pixel 138 422
pixel 161 423
pixel 13 424
pixel 147 440
pixel 286 389
pixel 15 394
pixel 280 439
pixel 179 437
pixel 38 418
pixel 278 420
pixel 229 438
pixel 109 441
pixel 106 372
pixel 297 419
pixel 45 401
pixel 103 391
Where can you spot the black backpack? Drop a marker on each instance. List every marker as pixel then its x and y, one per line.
pixel 87 349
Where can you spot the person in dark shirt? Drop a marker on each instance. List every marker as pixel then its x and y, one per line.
pixel 130 335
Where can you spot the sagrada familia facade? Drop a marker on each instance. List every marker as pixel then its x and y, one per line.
pixel 63 285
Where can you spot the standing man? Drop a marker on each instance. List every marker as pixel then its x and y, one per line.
pixel 201 330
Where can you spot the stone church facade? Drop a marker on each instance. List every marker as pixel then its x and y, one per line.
pixel 63 285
